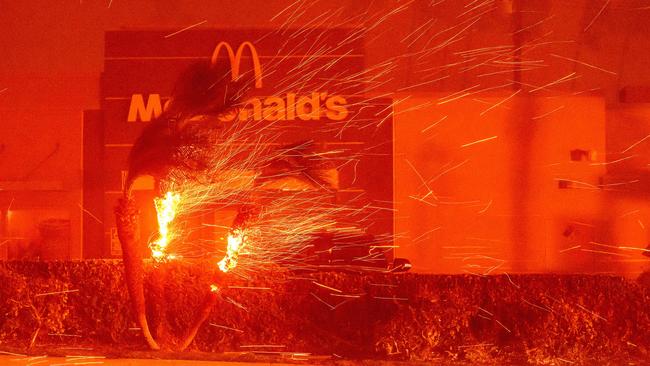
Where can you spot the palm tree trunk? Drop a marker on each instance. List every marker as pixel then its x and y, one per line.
pixel 201 317
pixel 126 215
pixel 159 306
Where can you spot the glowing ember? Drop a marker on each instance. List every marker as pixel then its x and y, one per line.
pixel 166 211
pixel 236 241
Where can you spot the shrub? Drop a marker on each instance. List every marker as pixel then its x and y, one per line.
pixel 539 319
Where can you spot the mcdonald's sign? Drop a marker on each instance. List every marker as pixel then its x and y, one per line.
pixel 288 107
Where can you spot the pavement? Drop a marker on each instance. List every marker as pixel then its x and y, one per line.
pixel 25 360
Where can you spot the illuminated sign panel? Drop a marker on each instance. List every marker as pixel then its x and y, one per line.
pixel 289 107
pixel 273 108
pixel 292 90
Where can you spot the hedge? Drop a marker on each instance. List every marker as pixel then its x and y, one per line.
pixel 540 319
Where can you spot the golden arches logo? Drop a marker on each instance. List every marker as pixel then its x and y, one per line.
pixel 235 59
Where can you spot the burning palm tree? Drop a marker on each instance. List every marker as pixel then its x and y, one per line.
pixel 198 152
pixel 172 141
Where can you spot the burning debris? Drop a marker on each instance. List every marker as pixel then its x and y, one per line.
pixel 236 241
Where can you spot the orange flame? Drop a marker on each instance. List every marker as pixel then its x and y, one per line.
pixel 166 211
pixel 236 241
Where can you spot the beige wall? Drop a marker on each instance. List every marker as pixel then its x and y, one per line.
pixel 495 206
